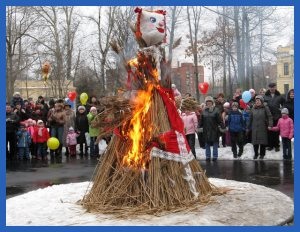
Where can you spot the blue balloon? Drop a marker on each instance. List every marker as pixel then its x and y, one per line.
pixel 246 96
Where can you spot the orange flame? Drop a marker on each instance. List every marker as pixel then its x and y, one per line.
pixel 139 128
pixel 137 132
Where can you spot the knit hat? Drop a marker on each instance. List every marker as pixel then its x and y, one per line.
pixel 173 86
pixel 252 91
pixel 226 105
pixel 93 108
pixel 236 104
pixel 40 121
pixel 285 111
pixel 209 98
pixel 81 108
pixel 261 98
pixel 71 128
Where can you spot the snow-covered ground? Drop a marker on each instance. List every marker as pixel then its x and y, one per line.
pixel 225 153
pixel 245 204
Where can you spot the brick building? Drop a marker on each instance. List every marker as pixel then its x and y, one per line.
pixel 184 77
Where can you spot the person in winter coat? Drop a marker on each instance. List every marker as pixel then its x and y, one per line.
pixel 17 98
pixel 94 132
pixel 71 141
pixel 41 136
pixel 286 127
pixel 70 122
pixel 12 123
pixel 211 122
pixel 20 112
pixel 246 117
pixel 236 126
pixel 190 123
pixel 260 120
pixel 23 142
pixel 82 127
pixel 289 103
pixel 56 120
pixel 200 135
pixel 219 103
pixel 275 102
pixel 31 124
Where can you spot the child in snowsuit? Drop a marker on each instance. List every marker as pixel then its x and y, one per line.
pixel 286 127
pixel 72 141
pixel 41 136
pixel 23 142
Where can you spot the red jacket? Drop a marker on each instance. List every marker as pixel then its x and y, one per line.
pixel 40 139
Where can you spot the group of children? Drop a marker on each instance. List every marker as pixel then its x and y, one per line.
pixel 32 138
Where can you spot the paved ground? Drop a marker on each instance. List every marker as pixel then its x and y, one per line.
pixel 25 176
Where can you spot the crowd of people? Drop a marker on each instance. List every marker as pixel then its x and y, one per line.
pixel 261 121
pixel 29 125
pixel 266 117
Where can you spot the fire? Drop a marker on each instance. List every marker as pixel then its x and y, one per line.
pixel 139 129
pixel 137 132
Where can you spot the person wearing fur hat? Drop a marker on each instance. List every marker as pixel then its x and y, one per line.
pixel 211 122
pixel 17 98
pixel 236 126
pixel 275 102
pixel 286 127
pixel 57 119
pixel 82 127
pixel 260 120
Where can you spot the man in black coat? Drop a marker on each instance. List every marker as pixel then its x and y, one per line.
pixel 275 102
pixel 12 123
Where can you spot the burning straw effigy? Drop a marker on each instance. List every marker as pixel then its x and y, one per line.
pixel 148 166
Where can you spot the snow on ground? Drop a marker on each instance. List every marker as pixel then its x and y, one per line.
pixel 245 204
pixel 225 153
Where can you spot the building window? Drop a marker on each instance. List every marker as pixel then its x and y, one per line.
pixel 286 88
pixel 286 69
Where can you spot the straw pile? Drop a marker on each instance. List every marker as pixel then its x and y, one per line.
pixel 189 104
pixel 117 111
pixel 158 188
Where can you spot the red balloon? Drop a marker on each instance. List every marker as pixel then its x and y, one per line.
pixel 72 95
pixel 242 104
pixel 203 87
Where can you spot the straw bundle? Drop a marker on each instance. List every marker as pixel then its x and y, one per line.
pixel 117 111
pixel 161 186
pixel 189 104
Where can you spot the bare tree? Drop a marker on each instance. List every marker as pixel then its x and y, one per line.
pixel 58 27
pixel 105 22
pixel 19 21
pixel 194 15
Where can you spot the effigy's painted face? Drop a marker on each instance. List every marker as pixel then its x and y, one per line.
pixel 152 26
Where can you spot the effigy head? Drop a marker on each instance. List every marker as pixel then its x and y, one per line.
pixel 151 26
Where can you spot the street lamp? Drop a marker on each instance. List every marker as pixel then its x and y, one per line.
pixel 267 78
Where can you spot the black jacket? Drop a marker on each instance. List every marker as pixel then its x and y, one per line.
pixel 274 103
